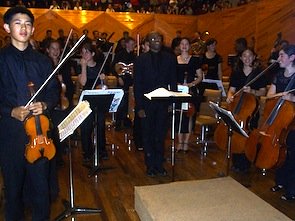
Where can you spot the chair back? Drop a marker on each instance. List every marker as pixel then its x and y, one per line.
pixel 210 95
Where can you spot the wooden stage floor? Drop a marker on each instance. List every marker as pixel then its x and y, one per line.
pixel 112 190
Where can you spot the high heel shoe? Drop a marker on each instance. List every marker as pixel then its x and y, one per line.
pixel 288 197
pixel 179 147
pixel 185 147
pixel 276 188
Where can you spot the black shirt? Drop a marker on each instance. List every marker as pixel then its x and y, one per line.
pixel 281 82
pixel 152 71
pixel 92 73
pixel 17 69
pixel 212 63
pixel 238 79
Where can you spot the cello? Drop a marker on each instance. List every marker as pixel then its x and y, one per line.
pixel 263 147
pixel 244 107
pixel 36 128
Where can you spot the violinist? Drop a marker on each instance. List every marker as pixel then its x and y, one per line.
pixel 87 73
pixel 62 109
pixel 285 175
pixel 189 73
pixel 245 70
pixel 20 64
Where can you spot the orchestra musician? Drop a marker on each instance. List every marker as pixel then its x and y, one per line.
pixel 285 175
pixel 87 73
pixel 154 69
pixel 66 97
pixel 20 64
pixel 137 134
pixel 123 68
pixel 245 70
pixel 189 73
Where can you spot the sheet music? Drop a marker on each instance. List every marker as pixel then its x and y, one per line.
pixel 73 120
pixel 118 95
pixel 162 92
pixel 183 89
pixel 223 112
pixel 218 83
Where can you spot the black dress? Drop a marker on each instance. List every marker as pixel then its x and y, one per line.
pixel 238 80
pixel 88 124
pixel 185 72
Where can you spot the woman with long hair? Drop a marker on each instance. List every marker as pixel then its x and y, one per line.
pixel 246 69
pixel 188 74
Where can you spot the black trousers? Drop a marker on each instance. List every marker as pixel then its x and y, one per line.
pixel 86 134
pixel 122 112
pixel 285 175
pixel 154 130
pixel 18 174
pixel 137 132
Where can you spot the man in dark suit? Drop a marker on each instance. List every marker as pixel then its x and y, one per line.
pixel 154 69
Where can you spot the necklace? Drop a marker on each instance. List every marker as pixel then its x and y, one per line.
pixel 185 58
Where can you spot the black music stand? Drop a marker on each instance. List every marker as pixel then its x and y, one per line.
pixel 100 104
pixel 227 117
pixel 70 208
pixel 173 100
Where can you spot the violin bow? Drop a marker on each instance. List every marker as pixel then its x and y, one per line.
pixel 93 86
pixel 280 94
pixel 66 45
pixel 55 70
pixel 256 77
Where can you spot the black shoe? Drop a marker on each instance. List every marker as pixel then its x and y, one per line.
pixel 86 159
pixel 139 148
pixel 276 188
pixel 118 128
pixel 162 172
pixel 151 172
pixel 288 197
pixel 104 155
pixel 127 123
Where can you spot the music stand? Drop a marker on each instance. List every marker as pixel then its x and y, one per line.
pixel 70 208
pixel 173 100
pixel 227 117
pixel 102 102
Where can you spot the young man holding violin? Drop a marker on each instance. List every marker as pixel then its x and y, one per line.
pixel 19 65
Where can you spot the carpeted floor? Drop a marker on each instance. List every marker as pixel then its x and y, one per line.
pixel 221 199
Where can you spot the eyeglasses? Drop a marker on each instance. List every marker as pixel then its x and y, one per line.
pixel 156 39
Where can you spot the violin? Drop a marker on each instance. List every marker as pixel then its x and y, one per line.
pixel 64 101
pixel 36 127
pixel 191 107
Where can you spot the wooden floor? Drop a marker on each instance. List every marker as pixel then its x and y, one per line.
pixel 112 190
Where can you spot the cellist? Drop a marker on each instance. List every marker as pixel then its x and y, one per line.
pixel 285 175
pixel 245 70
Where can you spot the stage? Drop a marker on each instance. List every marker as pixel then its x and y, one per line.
pixel 205 200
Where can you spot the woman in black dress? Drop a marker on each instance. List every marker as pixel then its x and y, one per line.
pixel 189 74
pixel 245 70
pixel 87 73
pixel 212 61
